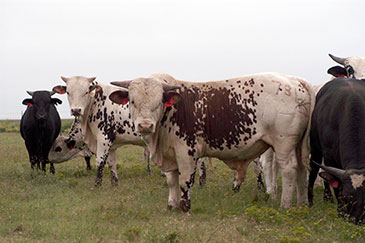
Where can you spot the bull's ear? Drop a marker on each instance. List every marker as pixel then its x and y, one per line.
pixel 120 97
pixel 27 102
pixel 332 180
pixel 60 89
pixel 337 71
pixel 94 89
pixel 171 98
pixel 56 101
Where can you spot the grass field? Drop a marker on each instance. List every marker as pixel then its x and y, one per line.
pixel 65 207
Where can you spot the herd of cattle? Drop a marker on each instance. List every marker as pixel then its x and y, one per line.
pixel 292 125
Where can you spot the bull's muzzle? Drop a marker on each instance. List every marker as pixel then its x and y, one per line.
pixel 76 111
pixel 145 127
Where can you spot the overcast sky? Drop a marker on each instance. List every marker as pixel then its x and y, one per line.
pixel 191 40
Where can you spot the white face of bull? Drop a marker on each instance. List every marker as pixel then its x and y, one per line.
pixel 79 91
pixel 353 67
pixel 147 98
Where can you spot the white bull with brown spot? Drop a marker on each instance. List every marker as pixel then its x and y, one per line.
pixel 234 120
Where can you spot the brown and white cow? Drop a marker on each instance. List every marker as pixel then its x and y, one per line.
pixel 105 125
pixel 234 120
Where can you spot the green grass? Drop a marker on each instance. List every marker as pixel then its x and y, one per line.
pixel 65 207
pixel 13 126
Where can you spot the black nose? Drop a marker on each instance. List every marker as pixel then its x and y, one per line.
pixel 76 111
pixel 42 117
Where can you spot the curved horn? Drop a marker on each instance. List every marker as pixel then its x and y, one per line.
pixel 51 93
pixel 91 79
pixel 339 173
pixel 64 79
pixel 30 93
pixel 124 84
pixel 167 87
pixel 339 60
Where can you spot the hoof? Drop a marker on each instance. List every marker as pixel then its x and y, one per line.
pixel 185 206
pixel 202 182
pixel 97 183
pixel 236 188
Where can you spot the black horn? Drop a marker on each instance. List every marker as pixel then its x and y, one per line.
pixel 339 60
pixel 339 173
pixel 30 93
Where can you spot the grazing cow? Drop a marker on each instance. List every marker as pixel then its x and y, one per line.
pixel 104 126
pixel 234 120
pixel 353 67
pixel 70 146
pixel 337 135
pixel 40 126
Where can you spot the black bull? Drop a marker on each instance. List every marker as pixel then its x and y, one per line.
pixel 338 135
pixel 40 126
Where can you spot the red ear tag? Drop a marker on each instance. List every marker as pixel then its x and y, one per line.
pixel 170 103
pixel 340 76
pixel 333 184
pixel 71 147
pixel 29 104
pixel 124 101
pixel 62 92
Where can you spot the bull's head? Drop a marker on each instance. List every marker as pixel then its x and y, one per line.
pixel 147 98
pixel 352 67
pixel 79 91
pixel 352 190
pixel 40 103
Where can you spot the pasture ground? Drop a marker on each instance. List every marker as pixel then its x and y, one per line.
pixel 65 207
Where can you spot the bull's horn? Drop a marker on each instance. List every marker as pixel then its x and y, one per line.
pixel 64 79
pixel 167 87
pixel 30 93
pixel 339 60
pixel 123 84
pixel 339 173
pixel 51 93
pixel 91 79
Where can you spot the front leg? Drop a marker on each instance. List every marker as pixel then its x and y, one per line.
pixel 172 182
pixel 187 168
pixel 102 153
pixel 113 167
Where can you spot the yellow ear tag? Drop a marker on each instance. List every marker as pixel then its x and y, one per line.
pixel 92 93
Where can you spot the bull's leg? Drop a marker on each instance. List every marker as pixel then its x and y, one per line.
pixel 113 167
pixel 187 168
pixel 44 165
pixel 172 179
pixel 102 153
pixel 302 196
pixel 288 166
pixel 316 156
pixel 87 160
pixel 146 155
pixel 269 167
pixel 202 171
pixel 257 168
pixel 236 183
pixel 327 194
pixel 51 168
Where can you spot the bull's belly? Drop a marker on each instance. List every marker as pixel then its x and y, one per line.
pixel 241 153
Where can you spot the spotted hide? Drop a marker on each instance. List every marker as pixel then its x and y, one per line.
pixel 234 120
pixel 105 126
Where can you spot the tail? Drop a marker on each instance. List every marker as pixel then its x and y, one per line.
pixel 304 143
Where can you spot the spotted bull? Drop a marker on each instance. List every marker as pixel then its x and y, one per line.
pixel 234 120
pixel 105 126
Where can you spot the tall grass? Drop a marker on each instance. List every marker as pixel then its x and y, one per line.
pixel 65 207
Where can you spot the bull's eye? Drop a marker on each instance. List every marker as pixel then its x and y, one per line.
pixel 58 149
pixel 350 71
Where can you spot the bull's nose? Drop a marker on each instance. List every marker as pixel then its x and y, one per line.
pixel 145 127
pixel 76 111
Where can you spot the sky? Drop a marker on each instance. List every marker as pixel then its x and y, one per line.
pixel 192 40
